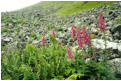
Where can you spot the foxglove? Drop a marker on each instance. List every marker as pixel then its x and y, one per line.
pixel 73 31
pixel 53 33
pixel 101 22
pixel 88 40
pixel 79 40
pixel 43 41
pixel 70 56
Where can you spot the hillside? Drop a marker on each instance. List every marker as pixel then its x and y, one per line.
pixel 64 7
pixel 22 32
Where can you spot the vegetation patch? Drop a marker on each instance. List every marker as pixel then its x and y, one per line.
pixel 67 7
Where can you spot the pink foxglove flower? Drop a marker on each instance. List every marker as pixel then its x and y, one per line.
pixel 88 40
pixel 93 56
pixel 95 50
pixel 79 40
pixel 101 22
pixel 43 41
pixel 83 32
pixel 73 31
pixel 53 33
pixel 83 35
pixel 70 56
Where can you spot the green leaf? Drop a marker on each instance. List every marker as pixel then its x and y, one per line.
pixel 74 76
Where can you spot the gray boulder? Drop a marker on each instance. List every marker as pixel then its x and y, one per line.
pixel 116 64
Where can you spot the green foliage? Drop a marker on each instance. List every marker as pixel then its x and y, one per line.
pixel 60 29
pixel 73 7
pixel 118 19
pixel 51 26
pixel 67 7
pixel 53 40
pixel 74 76
pixel 93 36
pixel 51 62
pixel 13 19
pixel 33 35
pixel 7 30
pixel 112 8
pixel 33 63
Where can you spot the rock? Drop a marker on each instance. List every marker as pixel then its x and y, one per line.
pixel 110 12
pixel 65 30
pixel 60 35
pixel 75 48
pixel 64 42
pixel 10 25
pixel 116 64
pixel 21 45
pixel 6 40
pixel 94 30
pixel 100 44
pixel 35 42
pixel 70 44
pixel 119 47
pixel 71 40
pixel 116 32
pixel 110 23
pixel 87 60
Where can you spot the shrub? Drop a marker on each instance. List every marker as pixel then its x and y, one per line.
pixel 118 19
pixel 60 29
pixel 51 62
pixel 33 35
pixel 51 26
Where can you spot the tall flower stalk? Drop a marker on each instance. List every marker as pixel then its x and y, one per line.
pixel 101 22
pixel 43 41
pixel 102 29
pixel 78 37
pixel 73 31
pixel 70 56
pixel 53 33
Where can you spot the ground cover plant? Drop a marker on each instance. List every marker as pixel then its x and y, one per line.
pixel 57 61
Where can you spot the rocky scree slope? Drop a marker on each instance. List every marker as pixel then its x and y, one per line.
pixel 22 27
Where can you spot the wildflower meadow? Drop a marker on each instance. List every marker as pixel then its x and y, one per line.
pixel 57 61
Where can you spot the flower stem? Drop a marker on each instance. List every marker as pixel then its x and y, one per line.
pixel 105 55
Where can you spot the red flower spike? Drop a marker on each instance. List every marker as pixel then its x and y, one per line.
pixel 94 50
pixel 101 22
pixel 88 39
pixel 83 32
pixel 73 31
pixel 43 41
pixel 53 33
pixel 79 40
pixel 93 56
pixel 70 56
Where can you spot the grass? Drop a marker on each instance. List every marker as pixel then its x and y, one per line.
pixel 67 7
pixel 60 29
pixel 51 26
pixel 33 35
pixel 78 6
pixel 119 19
